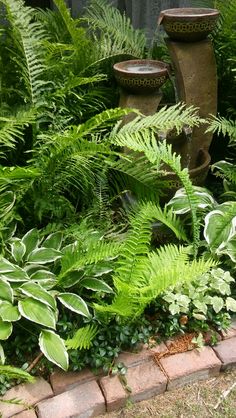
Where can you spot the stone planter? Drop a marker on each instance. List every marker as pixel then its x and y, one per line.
pixel 188 24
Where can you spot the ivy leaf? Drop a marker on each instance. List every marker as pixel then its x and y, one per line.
pixel 231 304
pixel 217 303
pixel 38 312
pixel 44 255
pixel 8 312
pixel 75 303
pixel 53 347
pixel 5 330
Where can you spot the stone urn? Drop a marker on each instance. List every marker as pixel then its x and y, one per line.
pixel 141 77
pixel 188 24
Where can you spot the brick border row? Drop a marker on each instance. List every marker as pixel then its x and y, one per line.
pixel 85 395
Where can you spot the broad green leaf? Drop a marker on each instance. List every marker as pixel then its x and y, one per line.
pixel 72 278
pixel 35 291
pixel 7 200
pixel 6 292
pixel 44 255
pixel 8 312
pixel 6 266
pixel 200 305
pixel 53 347
pixel 96 285
pixel 230 249
pixel 2 355
pixel 75 303
pixel 5 330
pixel 53 241
pixel 31 240
pixel 37 312
pixel 217 303
pixel 231 304
pixel 174 308
pixel 18 275
pixel 39 275
pixel 180 203
pixel 220 225
pixel 18 250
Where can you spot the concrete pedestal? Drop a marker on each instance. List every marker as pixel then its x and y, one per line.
pixel 146 104
pixel 196 83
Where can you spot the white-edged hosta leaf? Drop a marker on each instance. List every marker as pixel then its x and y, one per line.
pixel 44 255
pixel 35 291
pixel 31 240
pixel 231 304
pixel 5 330
pixel 7 200
pixel 72 278
pixel 220 225
pixel 18 275
pixel 96 285
pixel 38 312
pixel 53 347
pixel 18 249
pixel 180 203
pixel 6 266
pixel 8 312
pixel 229 249
pixel 39 275
pixel 2 355
pixel 6 292
pixel 53 241
pixel 75 303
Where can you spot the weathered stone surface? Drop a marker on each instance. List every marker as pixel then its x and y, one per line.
pixel 30 413
pixel 145 354
pixel 84 401
pixel 231 332
pixel 113 391
pixel 196 79
pixel 188 367
pixel 145 380
pixel 28 393
pixel 63 381
pixel 226 351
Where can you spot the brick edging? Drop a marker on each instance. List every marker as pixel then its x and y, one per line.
pixel 79 394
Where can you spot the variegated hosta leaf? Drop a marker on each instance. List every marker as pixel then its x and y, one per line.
pixel 2 355
pixel 31 240
pixel 53 347
pixel 53 241
pixel 39 275
pixel 35 291
pixel 220 225
pixel 18 275
pixel 18 249
pixel 7 200
pixel 96 285
pixel 5 330
pixel 6 266
pixel 229 249
pixel 8 312
pixel 180 203
pixel 38 312
pixel 44 255
pixel 6 292
pixel 75 303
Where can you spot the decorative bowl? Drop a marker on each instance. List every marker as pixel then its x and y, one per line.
pixel 141 76
pixel 188 24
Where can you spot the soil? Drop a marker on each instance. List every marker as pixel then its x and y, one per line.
pixel 199 400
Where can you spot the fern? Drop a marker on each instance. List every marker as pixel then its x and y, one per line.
pixel 15 373
pixel 12 128
pixel 222 125
pixel 83 338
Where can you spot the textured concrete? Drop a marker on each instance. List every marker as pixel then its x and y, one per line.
pixel 114 393
pixel 63 381
pixel 226 351
pixel 133 359
pixel 196 82
pixel 28 393
pixel 231 332
pixel 84 401
pixel 30 413
pixel 188 367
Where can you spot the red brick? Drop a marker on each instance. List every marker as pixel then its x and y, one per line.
pixel 28 393
pixel 145 381
pixel 113 391
pixel 131 359
pixel 188 367
pixel 231 332
pixel 63 381
pixel 84 401
pixel 226 351
pixel 26 414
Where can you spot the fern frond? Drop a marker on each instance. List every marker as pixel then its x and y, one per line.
pixel 12 128
pixel 226 170
pixel 222 125
pixel 108 20
pixel 83 338
pixel 15 373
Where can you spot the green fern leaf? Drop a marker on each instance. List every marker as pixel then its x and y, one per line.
pixel 83 338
